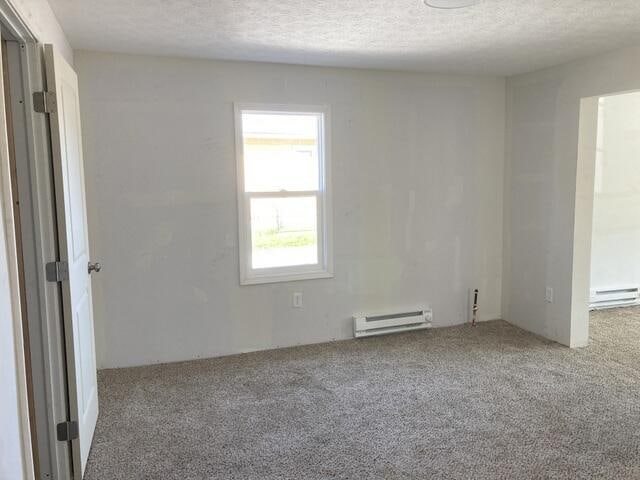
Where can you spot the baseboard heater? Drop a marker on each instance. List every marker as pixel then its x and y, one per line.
pixel 384 323
pixel 613 297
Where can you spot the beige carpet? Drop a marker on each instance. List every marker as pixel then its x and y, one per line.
pixel 492 402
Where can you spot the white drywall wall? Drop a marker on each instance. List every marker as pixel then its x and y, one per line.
pixel 615 246
pixel 44 24
pixel 542 175
pixel 417 194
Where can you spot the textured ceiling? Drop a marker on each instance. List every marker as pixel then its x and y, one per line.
pixel 497 36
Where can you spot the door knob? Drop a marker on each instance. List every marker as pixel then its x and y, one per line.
pixel 94 267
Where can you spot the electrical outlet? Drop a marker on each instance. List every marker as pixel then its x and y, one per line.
pixel 297 300
pixel 548 295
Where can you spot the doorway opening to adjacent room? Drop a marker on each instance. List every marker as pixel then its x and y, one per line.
pixel 49 338
pixel 606 276
pixel 27 208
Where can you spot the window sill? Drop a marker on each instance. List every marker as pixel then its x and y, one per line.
pixel 285 277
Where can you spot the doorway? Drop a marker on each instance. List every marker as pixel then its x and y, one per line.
pixel 615 256
pixel 48 266
pixel 34 238
pixel 606 263
pixel 614 295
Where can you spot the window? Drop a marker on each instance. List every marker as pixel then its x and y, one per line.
pixel 283 193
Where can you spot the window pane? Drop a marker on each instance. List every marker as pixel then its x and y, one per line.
pixel 280 152
pixel 283 232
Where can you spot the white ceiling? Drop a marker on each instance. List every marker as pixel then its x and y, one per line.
pixel 497 36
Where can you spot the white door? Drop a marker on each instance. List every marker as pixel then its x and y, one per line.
pixel 66 143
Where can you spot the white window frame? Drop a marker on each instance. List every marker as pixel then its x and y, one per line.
pixel 324 267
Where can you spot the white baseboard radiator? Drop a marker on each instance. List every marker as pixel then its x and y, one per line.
pixel 384 323
pixel 614 297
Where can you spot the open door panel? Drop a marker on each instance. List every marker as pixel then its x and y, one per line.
pixel 62 103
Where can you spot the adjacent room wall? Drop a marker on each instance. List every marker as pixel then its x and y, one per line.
pixel 417 193
pixel 615 246
pixel 543 111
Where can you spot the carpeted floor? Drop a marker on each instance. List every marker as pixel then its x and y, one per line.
pixel 492 402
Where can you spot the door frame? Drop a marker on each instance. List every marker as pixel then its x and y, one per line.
pixel 40 245
pixel 9 243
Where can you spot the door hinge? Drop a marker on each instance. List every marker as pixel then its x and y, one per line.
pixel 57 271
pixel 67 431
pixel 44 102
